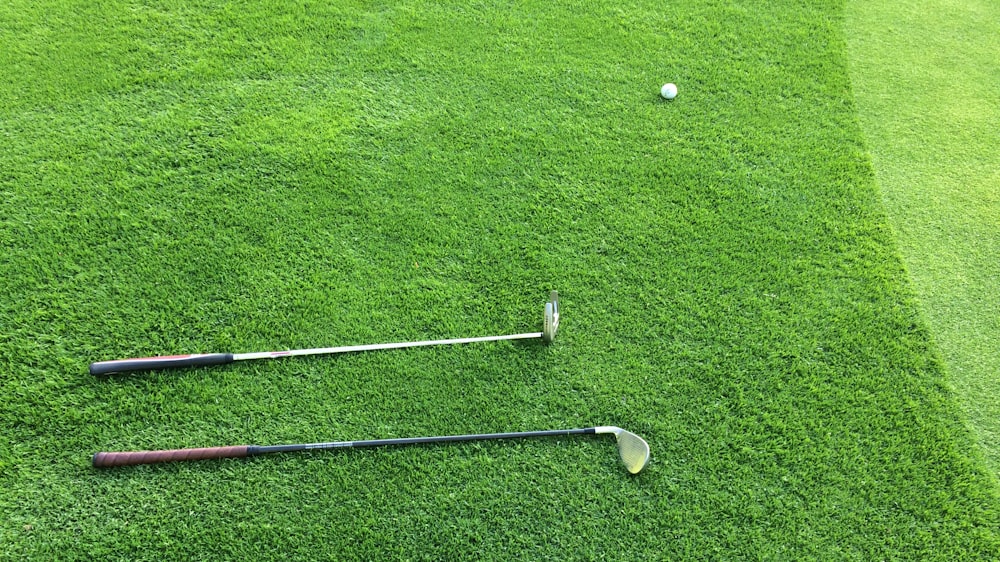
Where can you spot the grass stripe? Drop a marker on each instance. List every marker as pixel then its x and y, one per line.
pixel 925 77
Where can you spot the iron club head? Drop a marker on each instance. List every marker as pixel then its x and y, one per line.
pixel 633 450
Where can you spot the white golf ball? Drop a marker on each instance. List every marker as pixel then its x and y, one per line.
pixel 669 91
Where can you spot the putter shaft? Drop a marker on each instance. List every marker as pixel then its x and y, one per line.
pixel 378 346
pixel 550 324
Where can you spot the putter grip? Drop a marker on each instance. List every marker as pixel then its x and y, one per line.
pixel 154 363
pixel 130 458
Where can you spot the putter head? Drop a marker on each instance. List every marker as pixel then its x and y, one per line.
pixel 633 449
pixel 551 322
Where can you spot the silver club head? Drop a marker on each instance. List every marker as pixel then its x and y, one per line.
pixel 551 322
pixel 633 449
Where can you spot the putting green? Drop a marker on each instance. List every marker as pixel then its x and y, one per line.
pixel 926 77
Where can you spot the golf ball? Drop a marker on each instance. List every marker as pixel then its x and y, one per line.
pixel 669 91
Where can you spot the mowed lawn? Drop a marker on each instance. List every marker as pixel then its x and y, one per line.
pixel 925 79
pixel 209 177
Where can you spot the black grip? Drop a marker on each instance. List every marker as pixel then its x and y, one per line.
pixel 153 363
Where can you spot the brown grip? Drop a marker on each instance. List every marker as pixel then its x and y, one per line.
pixel 130 458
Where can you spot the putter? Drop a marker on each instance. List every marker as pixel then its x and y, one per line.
pixel 550 324
pixel 633 450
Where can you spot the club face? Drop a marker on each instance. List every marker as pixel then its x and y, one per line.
pixel 550 324
pixel 633 450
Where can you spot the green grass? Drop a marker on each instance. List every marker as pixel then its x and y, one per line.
pixel 233 177
pixel 926 76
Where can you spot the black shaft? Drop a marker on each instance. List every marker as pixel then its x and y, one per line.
pixel 261 450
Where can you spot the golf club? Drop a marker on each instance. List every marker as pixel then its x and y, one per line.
pixel 633 450
pixel 550 324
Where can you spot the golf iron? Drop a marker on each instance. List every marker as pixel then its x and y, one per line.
pixel 550 324
pixel 633 450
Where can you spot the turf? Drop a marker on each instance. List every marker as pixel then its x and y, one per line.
pixel 925 80
pixel 183 177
